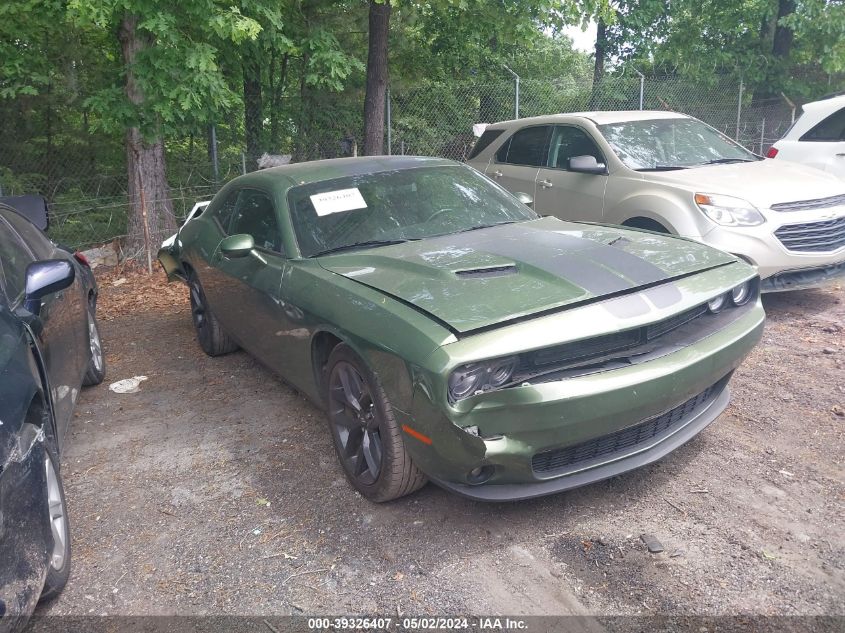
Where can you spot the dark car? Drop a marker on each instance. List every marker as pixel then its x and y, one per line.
pixel 49 348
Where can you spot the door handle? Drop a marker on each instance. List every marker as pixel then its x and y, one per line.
pixel 496 174
pixel 545 184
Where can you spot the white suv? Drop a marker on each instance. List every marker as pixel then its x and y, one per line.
pixel 668 172
pixel 817 138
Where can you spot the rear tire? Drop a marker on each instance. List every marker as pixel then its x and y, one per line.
pixel 210 334
pixel 367 438
pixel 96 372
pixel 58 570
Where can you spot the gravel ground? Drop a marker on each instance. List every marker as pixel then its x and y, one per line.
pixel 215 490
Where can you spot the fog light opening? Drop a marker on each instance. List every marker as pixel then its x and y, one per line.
pixel 479 475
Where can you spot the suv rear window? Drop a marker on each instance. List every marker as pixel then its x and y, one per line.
pixel 484 142
pixel 528 146
pixel 830 129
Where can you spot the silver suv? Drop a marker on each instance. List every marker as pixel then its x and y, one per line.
pixel 672 173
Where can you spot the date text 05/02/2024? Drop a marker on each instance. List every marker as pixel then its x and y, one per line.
pixel 430 623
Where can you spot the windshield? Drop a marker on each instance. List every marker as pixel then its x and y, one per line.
pixel 672 144
pixel 396 206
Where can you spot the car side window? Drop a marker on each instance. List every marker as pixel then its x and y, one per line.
pixel 830 129
pixel 526 147
pixel 224 213
pixel 256 216
pixel 15 257
pixel 569 142
pixel 484 142
pixel 31 234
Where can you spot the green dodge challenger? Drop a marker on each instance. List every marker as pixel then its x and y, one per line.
pixel 452 334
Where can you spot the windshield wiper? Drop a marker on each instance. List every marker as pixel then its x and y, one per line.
pixel 663 168
pixel 482 226
pixel 367 244
pixel 725 161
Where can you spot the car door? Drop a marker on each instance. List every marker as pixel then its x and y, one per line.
pixel 564 193
pixel 823 146
pixel 517 161
pixel 59 327
pixel 252 310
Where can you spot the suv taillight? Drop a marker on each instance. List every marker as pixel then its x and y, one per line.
pixel 773 151
pixel 81 259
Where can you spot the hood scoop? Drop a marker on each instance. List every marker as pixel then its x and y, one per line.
pixel 486 272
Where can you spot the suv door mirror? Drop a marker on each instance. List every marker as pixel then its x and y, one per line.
pixel 525 198
pixel 239 245
pixel 587 165
pixel 44 278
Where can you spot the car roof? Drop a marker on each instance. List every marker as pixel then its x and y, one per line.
pixel 599 117
pixel 286 176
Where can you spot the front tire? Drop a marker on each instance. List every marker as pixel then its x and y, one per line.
pixel 367 439
pixel 58 570
pixel 212 338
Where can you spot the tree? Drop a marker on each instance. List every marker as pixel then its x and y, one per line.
pixel 374 100
pixel 171 78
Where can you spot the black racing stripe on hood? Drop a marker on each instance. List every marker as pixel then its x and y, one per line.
pixel 598 268
pixel 584 302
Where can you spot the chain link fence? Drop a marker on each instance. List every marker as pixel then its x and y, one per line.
pixel 84 176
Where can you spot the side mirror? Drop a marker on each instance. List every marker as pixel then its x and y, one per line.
pixel 239 245
pixel 587 165
pixel 44 278
pixel 525 198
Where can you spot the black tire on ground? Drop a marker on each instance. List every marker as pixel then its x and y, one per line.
pixel 96 371
pixel 212 338
pixel 367 433
pixel 57 575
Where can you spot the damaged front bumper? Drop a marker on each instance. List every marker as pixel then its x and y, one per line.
pixel 538 439
pixel 25 535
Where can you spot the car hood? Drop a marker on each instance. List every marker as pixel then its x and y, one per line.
pixel 763 183
pixel 491 276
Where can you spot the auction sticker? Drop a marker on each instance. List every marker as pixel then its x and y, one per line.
pixel 338 201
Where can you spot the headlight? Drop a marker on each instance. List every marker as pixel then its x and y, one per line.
pixel 741 294
pixel 716 304
pixel 469 379
pixel 728 211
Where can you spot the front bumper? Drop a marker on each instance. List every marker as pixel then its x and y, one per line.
pixel 505 431
pixel 759 246
pixel 25 538
pixel 802 278
pixel 651 451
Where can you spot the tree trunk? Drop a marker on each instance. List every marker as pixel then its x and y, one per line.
pixel 253 103
pixel 598 67
pixel 376 78
pixel 782 44
pixel 151 211
pixel 277 89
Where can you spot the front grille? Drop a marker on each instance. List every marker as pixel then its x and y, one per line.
pixel 601 346
pixel 806 205
pixel 814 237
pixel 624 441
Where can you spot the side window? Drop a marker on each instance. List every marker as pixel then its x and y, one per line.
pixel 484 142
pixel 526 147
pixel 31 234
pixel 255 215
pixel 568 142
pixel 224 213
pixel 830 129
pixel 15 258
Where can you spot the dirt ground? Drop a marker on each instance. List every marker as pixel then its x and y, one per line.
pixel 215 490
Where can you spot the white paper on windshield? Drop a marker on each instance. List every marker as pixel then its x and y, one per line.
pixel 338 201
